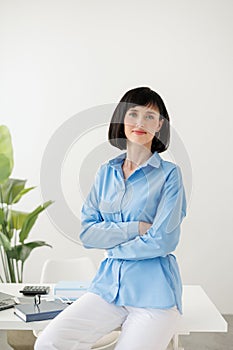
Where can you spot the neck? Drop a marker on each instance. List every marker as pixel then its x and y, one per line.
pixel 136 155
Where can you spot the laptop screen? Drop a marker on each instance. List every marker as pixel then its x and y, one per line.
pixel 4 296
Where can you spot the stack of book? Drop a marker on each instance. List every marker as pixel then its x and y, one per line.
pixel 46 310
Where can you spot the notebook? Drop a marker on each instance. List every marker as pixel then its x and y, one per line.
pixel 71 289
pixel 46 310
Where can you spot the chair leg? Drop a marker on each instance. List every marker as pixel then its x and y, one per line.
pixel 175 343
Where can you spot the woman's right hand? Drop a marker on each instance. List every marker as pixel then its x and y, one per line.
pixel 143 227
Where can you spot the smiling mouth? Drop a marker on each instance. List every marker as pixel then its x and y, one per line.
pixel 139 132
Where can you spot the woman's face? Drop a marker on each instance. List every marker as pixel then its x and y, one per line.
pixel 141 123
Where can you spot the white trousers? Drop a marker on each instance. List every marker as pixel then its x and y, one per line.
pixel 90 317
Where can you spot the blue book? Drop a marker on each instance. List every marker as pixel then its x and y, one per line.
pixel 71 289
pixel 46 310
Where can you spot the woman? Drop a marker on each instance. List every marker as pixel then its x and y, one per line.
pixel 134 211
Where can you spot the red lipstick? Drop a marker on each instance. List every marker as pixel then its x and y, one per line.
pixel 139 132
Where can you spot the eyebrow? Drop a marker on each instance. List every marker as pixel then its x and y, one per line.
pixel 135 110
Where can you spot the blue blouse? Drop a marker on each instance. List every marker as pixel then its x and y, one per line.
pixel 139 270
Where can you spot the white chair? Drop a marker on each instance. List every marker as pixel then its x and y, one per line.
pixel 81 269
pixel 55 270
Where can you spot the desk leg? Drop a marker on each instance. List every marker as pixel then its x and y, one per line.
pixel 175 343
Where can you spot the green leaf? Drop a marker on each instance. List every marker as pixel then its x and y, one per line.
pixel 4 224
pixel 21 193
pixel 11 189
pixel 2 216
pixel 30 221
pixel 22 251
pixel 16 219
pixel 5 168
pixel 6 154
pixel 5 242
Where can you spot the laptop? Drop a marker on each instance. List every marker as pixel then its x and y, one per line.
pixel 6 301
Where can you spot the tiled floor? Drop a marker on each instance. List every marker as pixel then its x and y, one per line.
pixel 3 344
pixel 210 341
pixel 195 341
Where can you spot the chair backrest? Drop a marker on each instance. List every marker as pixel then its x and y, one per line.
pixel 82 269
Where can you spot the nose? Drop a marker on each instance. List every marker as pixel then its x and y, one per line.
pixel 140 122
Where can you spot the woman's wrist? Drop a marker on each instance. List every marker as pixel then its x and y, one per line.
pixel 143 227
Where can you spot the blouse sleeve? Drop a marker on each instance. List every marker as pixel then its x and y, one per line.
pixel 97 233
pixel 163 236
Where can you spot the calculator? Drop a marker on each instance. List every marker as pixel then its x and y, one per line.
pixel 33 290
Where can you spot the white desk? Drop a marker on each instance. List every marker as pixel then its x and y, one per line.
pixel 8 320
pixel 200 314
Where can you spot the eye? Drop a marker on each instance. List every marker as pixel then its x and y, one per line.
pixel 132 114
pixel 150 117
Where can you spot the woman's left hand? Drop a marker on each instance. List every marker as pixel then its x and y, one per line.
pixel 143 227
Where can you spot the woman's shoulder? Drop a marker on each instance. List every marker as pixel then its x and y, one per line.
pixel 109 164
pixel 169 165
pixel 113 161
pixel 171 169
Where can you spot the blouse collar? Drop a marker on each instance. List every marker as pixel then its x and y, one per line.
pixel 154 160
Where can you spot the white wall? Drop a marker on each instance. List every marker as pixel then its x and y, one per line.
pixel 61 57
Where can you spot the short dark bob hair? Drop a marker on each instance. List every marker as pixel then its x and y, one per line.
pixel 141 96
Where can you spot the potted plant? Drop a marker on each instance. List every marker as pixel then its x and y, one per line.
pixel 15 225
